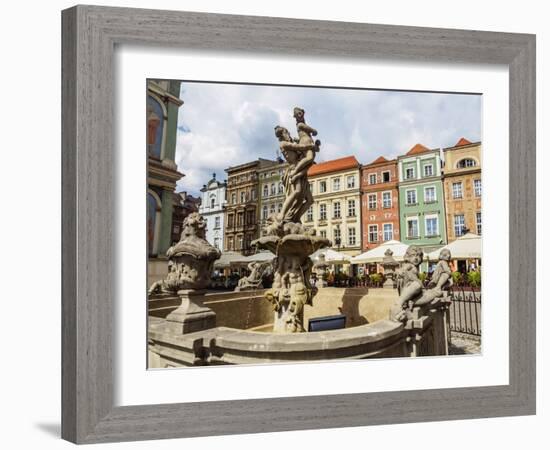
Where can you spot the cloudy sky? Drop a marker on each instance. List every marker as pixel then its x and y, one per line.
pixel 221 125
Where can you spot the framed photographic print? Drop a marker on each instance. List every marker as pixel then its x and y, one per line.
pixel 246 200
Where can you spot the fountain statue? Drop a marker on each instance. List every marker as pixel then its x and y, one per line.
pixel 286 237
pixel 411 289
pixel 190 264
pixel 389 264
pixel 255 278
pixel 321 272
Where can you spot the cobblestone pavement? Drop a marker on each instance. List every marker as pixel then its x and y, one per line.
pixel 463 344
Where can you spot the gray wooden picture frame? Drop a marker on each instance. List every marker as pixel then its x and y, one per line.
pixel 90 34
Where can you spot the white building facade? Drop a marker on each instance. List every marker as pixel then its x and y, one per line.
pixel 212 208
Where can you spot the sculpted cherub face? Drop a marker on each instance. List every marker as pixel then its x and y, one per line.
pixel 282 134
pixel 445 254
pixel 414 255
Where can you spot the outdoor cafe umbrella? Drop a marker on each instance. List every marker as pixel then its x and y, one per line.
pixel 331 256
pixel 256 257
pixel 465 247
pixel 226 259
pixel 376 255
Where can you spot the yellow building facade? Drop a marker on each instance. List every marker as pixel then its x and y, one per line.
pixel 463 188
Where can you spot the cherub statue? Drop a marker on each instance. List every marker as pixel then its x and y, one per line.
pixel 254 279
pixel 168 285
pixel 410 283
pixel 441 280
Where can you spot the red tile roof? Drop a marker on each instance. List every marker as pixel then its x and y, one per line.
pixel 379 160
pixel 417 149
pixel 335 165
pixel 462 141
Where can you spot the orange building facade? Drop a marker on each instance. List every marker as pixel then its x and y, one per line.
pixel 379 203
pixel 462 185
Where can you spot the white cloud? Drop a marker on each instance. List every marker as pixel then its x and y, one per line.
pixel 221 125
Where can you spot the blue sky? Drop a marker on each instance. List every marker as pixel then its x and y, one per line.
pixel 221 125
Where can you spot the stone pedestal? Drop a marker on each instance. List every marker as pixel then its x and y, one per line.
pixel 191 315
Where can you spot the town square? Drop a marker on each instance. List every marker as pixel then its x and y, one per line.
pixel 305 249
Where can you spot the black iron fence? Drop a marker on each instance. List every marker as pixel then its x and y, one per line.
pixel 465 310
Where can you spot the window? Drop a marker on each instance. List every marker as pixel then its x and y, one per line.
pixel 322 186
pixel 412 228
pixel 336 184
pixel 428 170
pixel 311 187
pixel 351 208
pixel 372 178
pixel 322 212
pixel 240 243
pixel 309 214
pixel 212 202
pixel 279 207
pixel 337 236
pixel 264 212
pixel 477 188
pixel 388 231
pixel 336 210
pixel 280 188
pixel 272 208
pixel 265 192
pixel 457 190
pixel 351 182
pixel 251 217
pixel 217 222
pixel 230 220
pixel 386 200
pixel 459 225
pixel 466 162
pixel 243 197
pixel 351 236
pixel 409 173
pixel 233 198
pixel 429 194
pixel 411 197
pixel 385 177
pixel 372 201
pixel 253 194
pixel 431 227
pixel 373 233
pixel 478 222
pixel 240 219
pixel 323 234
pixel 273 189
pixel 230 244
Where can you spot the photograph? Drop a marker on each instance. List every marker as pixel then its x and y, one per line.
pixel 305 223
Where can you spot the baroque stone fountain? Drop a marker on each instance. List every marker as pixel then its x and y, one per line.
pixel 286 237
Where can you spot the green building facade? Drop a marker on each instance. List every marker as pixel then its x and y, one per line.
pixel 163 103
pixel 421 199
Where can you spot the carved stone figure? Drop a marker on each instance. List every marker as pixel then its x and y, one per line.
pixel 389 264
pixel 409 284
pixel 190 264
pixel 254 279
pixel 321 271
pixel 285 235
pixel 412 292
pixel 441 281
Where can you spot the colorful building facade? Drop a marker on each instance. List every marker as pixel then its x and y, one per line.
pixel 213 201
pixel 379 203
pixel 336 211
pixel 271 193
pixel 421 199
pixel 241 213
pixel 162 105
pixel 462 185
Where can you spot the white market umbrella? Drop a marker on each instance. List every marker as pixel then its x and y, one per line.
pixel 465 247
pixel 332 256
pixel 256 257
pixel 376 255
pixel 226 259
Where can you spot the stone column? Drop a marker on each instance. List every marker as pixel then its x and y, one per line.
pixel 165 235
pixel 191 315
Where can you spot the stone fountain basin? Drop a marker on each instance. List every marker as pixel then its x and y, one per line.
pixel 369 333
